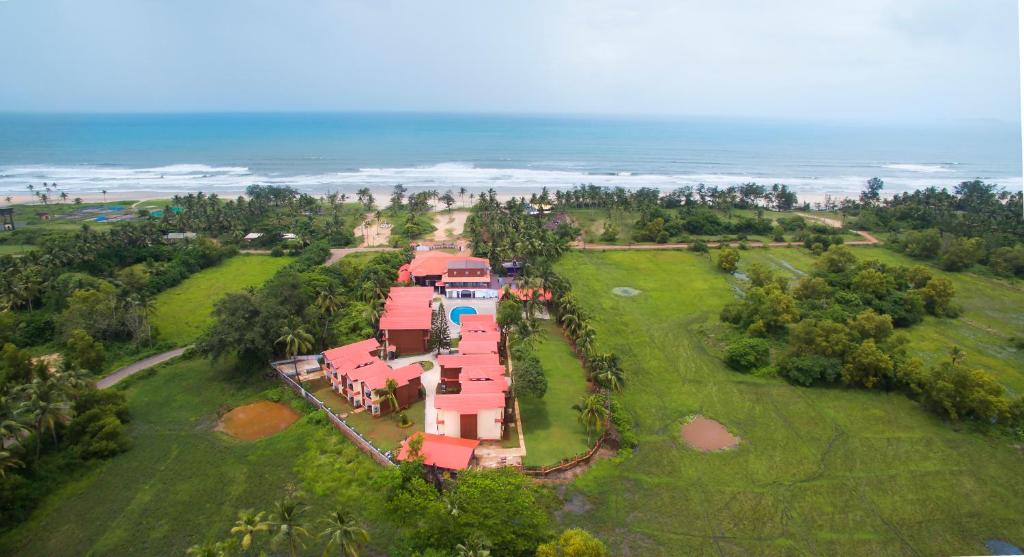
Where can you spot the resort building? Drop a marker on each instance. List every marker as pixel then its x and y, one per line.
pixel 471 415
pixel 355 372
pixel 448 453
pixel 406 320
pixel 455 276
pixel 452 365
pixel 478 334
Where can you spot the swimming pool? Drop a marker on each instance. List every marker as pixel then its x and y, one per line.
pixel 458 312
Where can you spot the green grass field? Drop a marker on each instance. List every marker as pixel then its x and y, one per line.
pixel 15 249
pixel 181 482
pixel 550 427
pixel 183 312
pixel 993 312
pixel 818 471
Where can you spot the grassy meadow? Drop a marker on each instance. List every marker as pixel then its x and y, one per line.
pixel 182 312
pixel 818 471
pixel 550 427
pixel 182 482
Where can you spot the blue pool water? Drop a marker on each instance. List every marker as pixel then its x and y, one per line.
pixel 458 312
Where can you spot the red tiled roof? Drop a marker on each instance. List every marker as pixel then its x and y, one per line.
pixel 352 355
pixel 452 453
pixel 407 308
pixel 472 346
pixel 463 360
pixel 366 372
pixel 499 385
pixel 404 275
pixel 527 293
pixel 465 403
pixel 435 263
pixel 402 376
pixel 478 322
pixel 482 372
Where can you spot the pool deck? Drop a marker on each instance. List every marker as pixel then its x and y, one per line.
pixel 481 305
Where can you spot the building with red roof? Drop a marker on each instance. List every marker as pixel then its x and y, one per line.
pixel 456 276
pixel 452 364
pixel 406 320
pixel 450 453
pixel 477 415
pixel 355 372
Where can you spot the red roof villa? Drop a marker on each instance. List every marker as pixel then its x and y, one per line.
pixel 355 371
pixel 455 276
pixel 450 453
pixel 475 409
pixel 405 322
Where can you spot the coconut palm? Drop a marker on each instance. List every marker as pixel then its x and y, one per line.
pixel 286 521
pixel 249 524
pixel 8 460
pixel 387 394
pixel 592 412
pixel 296 340
pixel 104 195
pixel 585 338
pixel 64 196
pixel 329 302
pixel 606 371
pixel 343 533
pixel 45 407
pixel 472 549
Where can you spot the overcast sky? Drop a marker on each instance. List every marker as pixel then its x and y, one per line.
pixel 930 60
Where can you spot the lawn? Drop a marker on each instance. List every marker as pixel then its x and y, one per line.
pixel 818 471
pixel 14 249
pixel 383 432
pixel 181 482
pixel 993 313
pixel 550 427
pixel 183 312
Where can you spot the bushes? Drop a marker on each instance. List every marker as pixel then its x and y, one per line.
pixel 809 369
pixel 958 392
pixel 748 354
pixel 728 260
pixel 962 253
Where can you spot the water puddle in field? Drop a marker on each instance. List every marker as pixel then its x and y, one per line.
pixel 257 420
pixel 625 291
pixel 999 547
pixel 706 435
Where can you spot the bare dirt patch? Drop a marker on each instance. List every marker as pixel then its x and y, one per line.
pixel 706 435
pixel 374 232
pixel 449 226
pixel 257 420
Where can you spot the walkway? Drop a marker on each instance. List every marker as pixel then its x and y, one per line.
pixel 868 240
pixel 430 379
pixel 132 369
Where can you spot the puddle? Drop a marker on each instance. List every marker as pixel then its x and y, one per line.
pixel 706 435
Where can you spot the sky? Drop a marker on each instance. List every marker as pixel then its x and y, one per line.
pixel 864 60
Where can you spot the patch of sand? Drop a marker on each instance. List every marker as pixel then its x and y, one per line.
pixel 257 420
pixel 374 233
pixel 706 435
pixel 449 226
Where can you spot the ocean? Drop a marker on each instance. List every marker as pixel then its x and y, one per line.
pixel 158 154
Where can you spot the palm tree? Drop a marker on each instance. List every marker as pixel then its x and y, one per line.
pixel 387 394
pixel 606 371
pixel 286 521
pixel 329 303
pixel 8 460
pixel 8 199
pixel 295 340
pixel 248 525
pixel 64 196
pixel 104 195
pixel 46 407
pixel 342 532
pixel 592 412
pixel 472 549
pixel 585 338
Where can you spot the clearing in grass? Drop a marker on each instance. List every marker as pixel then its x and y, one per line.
pixel 819 471
pixel 182 312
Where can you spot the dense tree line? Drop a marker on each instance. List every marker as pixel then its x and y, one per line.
pixel 839 325
pixel 304 308
pixel 503 232
pixel 975 223
pixel 745 196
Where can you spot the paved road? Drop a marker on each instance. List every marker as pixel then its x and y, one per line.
pixel 132 369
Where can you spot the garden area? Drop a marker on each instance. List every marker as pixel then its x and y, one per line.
pixel 823 471
pixel 182 312
pixel 384 432
pixel 551 429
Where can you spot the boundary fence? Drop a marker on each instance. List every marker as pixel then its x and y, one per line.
pixel 363 443
pixel 567 463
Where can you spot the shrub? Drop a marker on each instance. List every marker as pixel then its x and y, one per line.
pixel 698 246
pixel 728 260
pixel 277 251
pixel 810 369
pixel 962 253
pixel 623 425
pixel 747 354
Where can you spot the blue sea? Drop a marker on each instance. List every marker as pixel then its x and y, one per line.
pixel 320 152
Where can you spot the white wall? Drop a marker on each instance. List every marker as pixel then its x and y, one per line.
pixel 486 427
pixel 451 426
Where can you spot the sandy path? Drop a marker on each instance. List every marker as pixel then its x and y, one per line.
pixel 449 226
